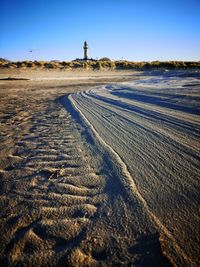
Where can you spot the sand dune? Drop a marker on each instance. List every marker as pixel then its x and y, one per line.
pixel 102 177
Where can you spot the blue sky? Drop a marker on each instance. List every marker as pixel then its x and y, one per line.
pixel 138 30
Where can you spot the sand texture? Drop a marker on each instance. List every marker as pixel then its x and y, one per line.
pixel 100 169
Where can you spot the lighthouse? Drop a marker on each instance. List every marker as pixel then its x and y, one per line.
pixel 85 47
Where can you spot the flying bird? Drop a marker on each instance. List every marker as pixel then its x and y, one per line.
pixel 32 50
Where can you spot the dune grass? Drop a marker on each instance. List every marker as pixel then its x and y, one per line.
pixel 99 65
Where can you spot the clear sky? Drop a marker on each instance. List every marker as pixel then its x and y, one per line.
pixel 138 30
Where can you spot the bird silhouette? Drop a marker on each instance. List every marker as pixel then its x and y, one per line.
pixel 32 50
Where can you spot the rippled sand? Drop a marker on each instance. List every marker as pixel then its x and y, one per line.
pixel 100 169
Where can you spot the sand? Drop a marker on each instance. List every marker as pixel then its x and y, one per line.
pixel 99 169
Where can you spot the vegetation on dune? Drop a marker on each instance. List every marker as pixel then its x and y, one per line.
pixel 102 64
pixel 4 60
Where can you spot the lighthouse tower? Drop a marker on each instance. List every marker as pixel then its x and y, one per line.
pixel 85 47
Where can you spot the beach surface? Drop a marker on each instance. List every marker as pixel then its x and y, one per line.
pixel 99 168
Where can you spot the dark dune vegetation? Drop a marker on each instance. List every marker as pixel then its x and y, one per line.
pixel 99 65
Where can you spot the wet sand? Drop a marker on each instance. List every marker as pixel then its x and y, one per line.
pixel 93 178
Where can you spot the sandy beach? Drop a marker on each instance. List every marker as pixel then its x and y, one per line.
pixel 99 168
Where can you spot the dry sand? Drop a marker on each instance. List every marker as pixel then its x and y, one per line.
pixel 96 175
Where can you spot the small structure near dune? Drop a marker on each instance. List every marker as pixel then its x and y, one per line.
pixel 105 59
